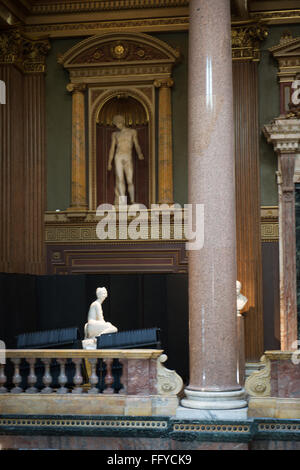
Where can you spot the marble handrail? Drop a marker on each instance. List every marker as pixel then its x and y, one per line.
pixel 130 372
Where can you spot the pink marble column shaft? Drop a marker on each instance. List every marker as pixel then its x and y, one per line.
pixel 287 250
pixel 212 270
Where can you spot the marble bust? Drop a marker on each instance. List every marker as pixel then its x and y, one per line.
pixel 122 143
pixel 241 300
pixel 96 325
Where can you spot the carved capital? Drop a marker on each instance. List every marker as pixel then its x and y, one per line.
pixel 26 53
pixel 165 82
pixel 246 41
pixel 76 87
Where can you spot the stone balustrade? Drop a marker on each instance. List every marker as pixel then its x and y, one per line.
pixel 114 382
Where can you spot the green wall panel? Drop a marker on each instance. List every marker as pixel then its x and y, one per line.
pixel 58 128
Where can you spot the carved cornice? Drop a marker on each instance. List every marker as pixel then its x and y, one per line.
pixel 284 134
pixel 246 40
pixel 29 55
pixel 103 5
pixel 277 17
pixel 85 28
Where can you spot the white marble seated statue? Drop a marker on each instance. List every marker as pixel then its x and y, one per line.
pixel 96 325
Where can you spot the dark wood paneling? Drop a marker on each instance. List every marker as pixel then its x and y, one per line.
pixel 34 163
pixel 155 257
pixel 12 172
pixel 22 172
pixel 249 267
pixel 270 257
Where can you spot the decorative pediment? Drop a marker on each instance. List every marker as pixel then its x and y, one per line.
pixel 288 47
pixel 131 49
pixel 287 52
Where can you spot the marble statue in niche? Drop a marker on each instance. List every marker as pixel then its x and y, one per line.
pixel 96 325
pixel 122 143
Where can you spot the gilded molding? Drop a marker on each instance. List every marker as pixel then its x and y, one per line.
pixel 29 55
pixel 277 17
pixel 246 40
pixel 259 382
pixel 104 5
pixel 84 28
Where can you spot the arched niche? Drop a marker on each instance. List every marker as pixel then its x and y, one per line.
pixel 133 65
pixel 136 117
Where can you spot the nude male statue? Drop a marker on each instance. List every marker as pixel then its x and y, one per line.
pixel 122 143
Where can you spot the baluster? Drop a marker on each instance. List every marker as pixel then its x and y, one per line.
pixel 2 378
pixel 62 379
pixel 78 379
pixel 32 378
pixel 47 378
pixel 124 376
pixel 17 379
pixel 93 377
pixel 109 379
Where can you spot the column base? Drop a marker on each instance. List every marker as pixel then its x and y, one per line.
pixel 213 405
pixel 212 415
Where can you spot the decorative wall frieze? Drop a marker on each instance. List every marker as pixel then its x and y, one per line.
pixel 60 229
pixel 269 224
pixel 29 55
pixel 246 41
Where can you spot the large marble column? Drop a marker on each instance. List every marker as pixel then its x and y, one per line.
pixel 78 195
pixel 165 151
pixel 284 134
pixel 213 391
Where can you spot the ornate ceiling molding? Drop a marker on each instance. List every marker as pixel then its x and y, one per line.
pixel 103 5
